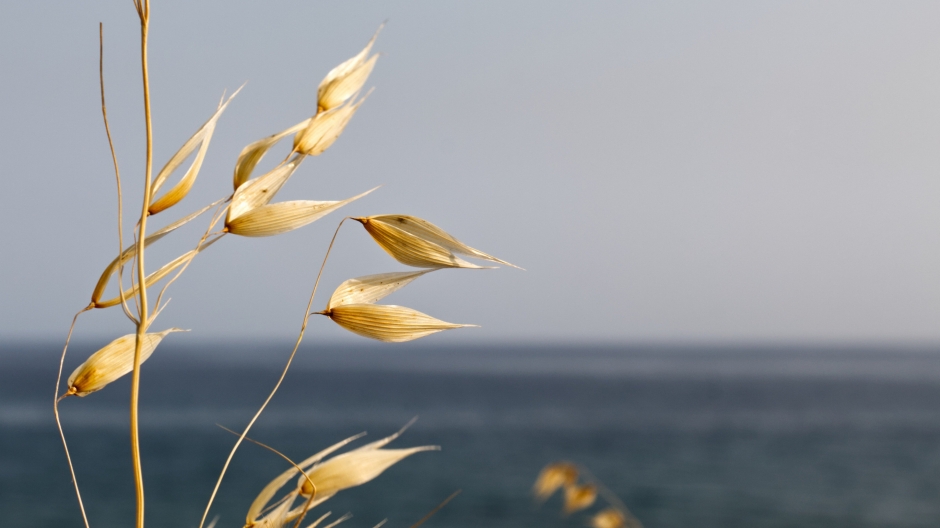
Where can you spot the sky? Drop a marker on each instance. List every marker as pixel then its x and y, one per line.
pixel 666 172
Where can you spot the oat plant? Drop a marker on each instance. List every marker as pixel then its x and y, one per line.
pixel 580 490
pixel 249 210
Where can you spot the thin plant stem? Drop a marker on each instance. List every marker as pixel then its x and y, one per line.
pixel 436 509
pixel 143 11
pixel 300 337
pixel 58 421
pixel 215 218
pixel 117 176
pixel 291 462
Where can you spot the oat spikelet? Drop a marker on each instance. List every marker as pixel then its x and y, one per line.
pixel 251 155
pixel 200 139
pixel 111 362
pixel 261 190
pixel 263 498
pixel 274 219
pixel 129 253
pixel 371 288
pixel 152 279
pixel 553 477
pixel 353 469
pixel 346 79
pixel 608 518
pixel 419 243
pixel 578 497
pixel 325 128
pixel 389 323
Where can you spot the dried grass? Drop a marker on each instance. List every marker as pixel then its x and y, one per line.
pixel 248 211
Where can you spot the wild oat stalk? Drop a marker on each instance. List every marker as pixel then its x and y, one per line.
pixel 248 211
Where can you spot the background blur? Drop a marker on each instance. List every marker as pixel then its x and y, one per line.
pixel 727 213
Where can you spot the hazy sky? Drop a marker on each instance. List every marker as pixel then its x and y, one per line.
pixel 721 171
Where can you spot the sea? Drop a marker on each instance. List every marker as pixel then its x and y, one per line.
pixel 685 436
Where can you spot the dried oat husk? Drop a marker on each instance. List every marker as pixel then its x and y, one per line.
pixel 608 518
pixel 579 497
pixel 419 243
pixel 553 477
pixel 251 155
pixel 199 140
pixel 371 288
pixel 131 251
pixel 111 362
pixel 325 128
pixel 389 323
pixel 152 279
pixel 345 80
pixel 261 190
pixel 278 218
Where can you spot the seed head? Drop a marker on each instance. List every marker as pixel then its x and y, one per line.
pixel 419 243
pixel 274 219
pixel 325 128
pixel 346 79
pixel 609 518
pixel 578 497
pixel 553 477
pixel 111 362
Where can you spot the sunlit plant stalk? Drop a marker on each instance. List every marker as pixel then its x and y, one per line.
pixel 248 212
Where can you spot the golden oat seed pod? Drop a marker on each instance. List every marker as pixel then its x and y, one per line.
pixel 111 362
pixel 419 243
pixel 278 218
pixel 251 155
pixel 199 140
pixel 371 288
pixel 325 128
pixel 346 79
pixel 608 518
pixel 579 497
pixel 261 190
pixel 264 498
pixel 389 323
pixel 353 469
pixel 152 279
pixel 129 253
pixel 553 477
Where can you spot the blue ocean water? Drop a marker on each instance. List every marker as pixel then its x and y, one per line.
pixel 704 437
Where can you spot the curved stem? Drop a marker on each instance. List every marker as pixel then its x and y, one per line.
pixel 58 421
pixel 215 218
pixel 300 337
pixel 144 13
pixel 117 175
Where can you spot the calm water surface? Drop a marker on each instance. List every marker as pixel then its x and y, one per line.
pixel 686 437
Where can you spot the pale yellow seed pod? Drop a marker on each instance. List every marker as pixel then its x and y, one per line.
pixel 346 79
pixel 274 219
pixel 111 362
pixel 389 323
pixel 261 190
pixel 324 129
pixel 609 518
pixel 354 469
pixel 251 155
pixel 261 502
pixel 199 140
pixel 553 477
pixel 579 497
pixel 371 288
pixel 419 243
pixel 129 253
